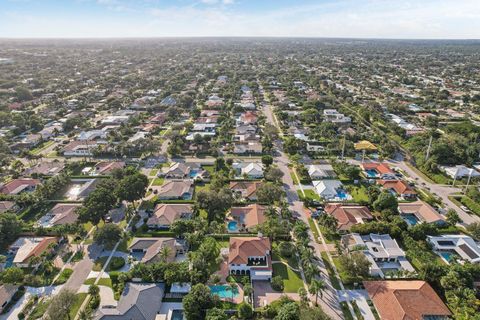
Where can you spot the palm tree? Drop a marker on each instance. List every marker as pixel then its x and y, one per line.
pixel 164 253
pixel 316 288
pixel 232 286
pixel 247 290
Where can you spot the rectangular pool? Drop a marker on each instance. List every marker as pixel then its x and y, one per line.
pixel 224 291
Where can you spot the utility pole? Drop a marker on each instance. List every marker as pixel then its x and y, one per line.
pixel 468 181
pixel 428 149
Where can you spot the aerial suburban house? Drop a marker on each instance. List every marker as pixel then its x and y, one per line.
pixel 247 218
pixel 378 170
pixel 455 247
pixel 251 147
pixel 245 189
pixel 139 301
pixel 18 186
pixel 61 213
pixel 176 190
pixel 8 206
pixel 250 170
pixel 250 256
pixel 321 171
pixel 104 168
pixel 399 188
pixel 151 250
pixel 331 190
pixel 25 248
pixel 165 214
pixel 419 211
pixel 383 252
pixel 177 170
pixel 332 115
pixel 404 299
pixel 79 148
pixel 460 171
pixel 46 168
pixel 348 215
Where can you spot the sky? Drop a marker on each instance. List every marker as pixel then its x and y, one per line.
pixel 413 19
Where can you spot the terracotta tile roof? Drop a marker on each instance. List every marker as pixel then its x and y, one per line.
pixel 405 300
pixel 166 214
pixel 422 210
pixel 252 215
pixel 380 167
pixel 18 185
pixel 105 167
pixel 243 247
pixel 6 205
pixel 248 188
pixel 348 216
pixel 400 187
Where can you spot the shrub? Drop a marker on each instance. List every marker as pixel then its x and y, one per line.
pixel 277 283
pixel 116 263
pixel 286 249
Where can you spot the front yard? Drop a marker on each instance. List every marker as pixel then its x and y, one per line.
pixel 292 281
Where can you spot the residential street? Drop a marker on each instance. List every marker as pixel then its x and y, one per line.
pixel 329 302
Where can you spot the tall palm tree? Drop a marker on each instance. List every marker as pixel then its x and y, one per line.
pixel 164 253
pixel 232 286
pixel 316 288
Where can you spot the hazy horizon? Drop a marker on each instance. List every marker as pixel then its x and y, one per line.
pixel 368 19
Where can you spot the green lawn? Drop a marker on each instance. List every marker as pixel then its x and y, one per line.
pixel 276 256
pixel 79 298
pixel 359 193
pixel 40 310
pixel 210 169
pixel 292 281
pixel 66 273
pixel 100 262
pixel 311 195
pixel 42 147
pixel 331 273
pixel 470 204
pixel 153 172
pixel 107 282
pixel 158 181
pixel 314 229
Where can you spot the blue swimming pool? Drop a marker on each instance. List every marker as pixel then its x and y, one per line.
pixel 341 194
pixel 448 256
pixel 232 226
pixel 224 292
pixel 193 173
pixel 177 315
pixel 371 173
pixel 410 219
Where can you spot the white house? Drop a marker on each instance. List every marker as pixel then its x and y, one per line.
pixel 331 190
pixel 383 252
pixel 252 170
pixel 458 172
pixel 455 245
pixel 321 171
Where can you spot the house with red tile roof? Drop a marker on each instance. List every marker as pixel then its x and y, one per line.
pixel 348 215
pixel 106 167
pixel 25 248
pixel 245 189
pixel 380 170
pixel 250 256
pixel 248 217
pixel 406 300
pixel 399 188
pixel 421 211
pixel 18 186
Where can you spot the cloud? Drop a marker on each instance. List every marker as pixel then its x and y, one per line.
pixel 341 18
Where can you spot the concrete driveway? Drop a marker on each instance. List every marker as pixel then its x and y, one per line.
pixel 360 297
pixel 264 294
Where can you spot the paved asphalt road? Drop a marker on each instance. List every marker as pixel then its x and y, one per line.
pixel 329 302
